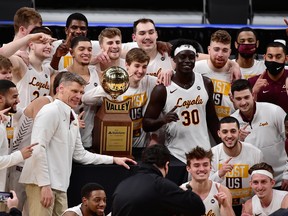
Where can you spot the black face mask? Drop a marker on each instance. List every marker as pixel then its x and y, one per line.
pixel 274 68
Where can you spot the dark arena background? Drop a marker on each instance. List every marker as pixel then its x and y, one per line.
pixel 196 20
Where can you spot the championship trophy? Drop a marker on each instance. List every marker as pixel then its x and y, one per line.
pixel 113 127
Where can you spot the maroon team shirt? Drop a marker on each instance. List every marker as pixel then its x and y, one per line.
pixel 275 92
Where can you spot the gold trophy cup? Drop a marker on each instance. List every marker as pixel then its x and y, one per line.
pixel 113 127
pixel 115 81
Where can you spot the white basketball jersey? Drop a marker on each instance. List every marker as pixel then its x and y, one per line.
pixel 86 133
pixel 191 128
pixel 211 204
pixel 159 62
pixel 75 209
pixel 33 85
pixel 275 204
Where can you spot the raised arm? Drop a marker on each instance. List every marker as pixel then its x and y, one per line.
pixel 211 116
pixel 61 51
pixel 19 68
pixel 93 96
pixel 11 48
pixel 224 198
pixel 234 69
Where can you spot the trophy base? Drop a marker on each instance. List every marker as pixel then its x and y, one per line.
pixel 113 130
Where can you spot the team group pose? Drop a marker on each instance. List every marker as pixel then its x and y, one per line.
pixel 223 118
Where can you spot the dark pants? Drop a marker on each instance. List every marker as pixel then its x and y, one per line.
pixel 237 209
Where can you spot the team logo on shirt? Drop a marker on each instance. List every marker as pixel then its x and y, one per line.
pixel 188 103
pixel 210 213
pixel 172 91
pixel 38 84
pixel 263 124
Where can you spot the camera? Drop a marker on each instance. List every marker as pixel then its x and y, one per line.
pixel 5 195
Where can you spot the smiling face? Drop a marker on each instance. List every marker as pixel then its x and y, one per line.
pixel 41 50
pixel 244 101
pixel 82 52
pixel 146 36
pixel 71 93
pixel 96 203
pixel 76 28
pixel 185 61
pixel 112 46
pixel 262 185
pixel 136 71
pixel 199 169
pixel 229 134
pixel 10 99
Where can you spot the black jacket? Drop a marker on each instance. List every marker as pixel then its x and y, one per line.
pixel 280 212
pixel 12 212
pixel 148 193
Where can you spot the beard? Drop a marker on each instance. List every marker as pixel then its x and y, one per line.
pixel 12 110
pixel 246 55
pixel 232 145
pixel 85 63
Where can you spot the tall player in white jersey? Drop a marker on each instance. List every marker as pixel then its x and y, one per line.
pixel 33 80
pixel 145 34
pixel 187 105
